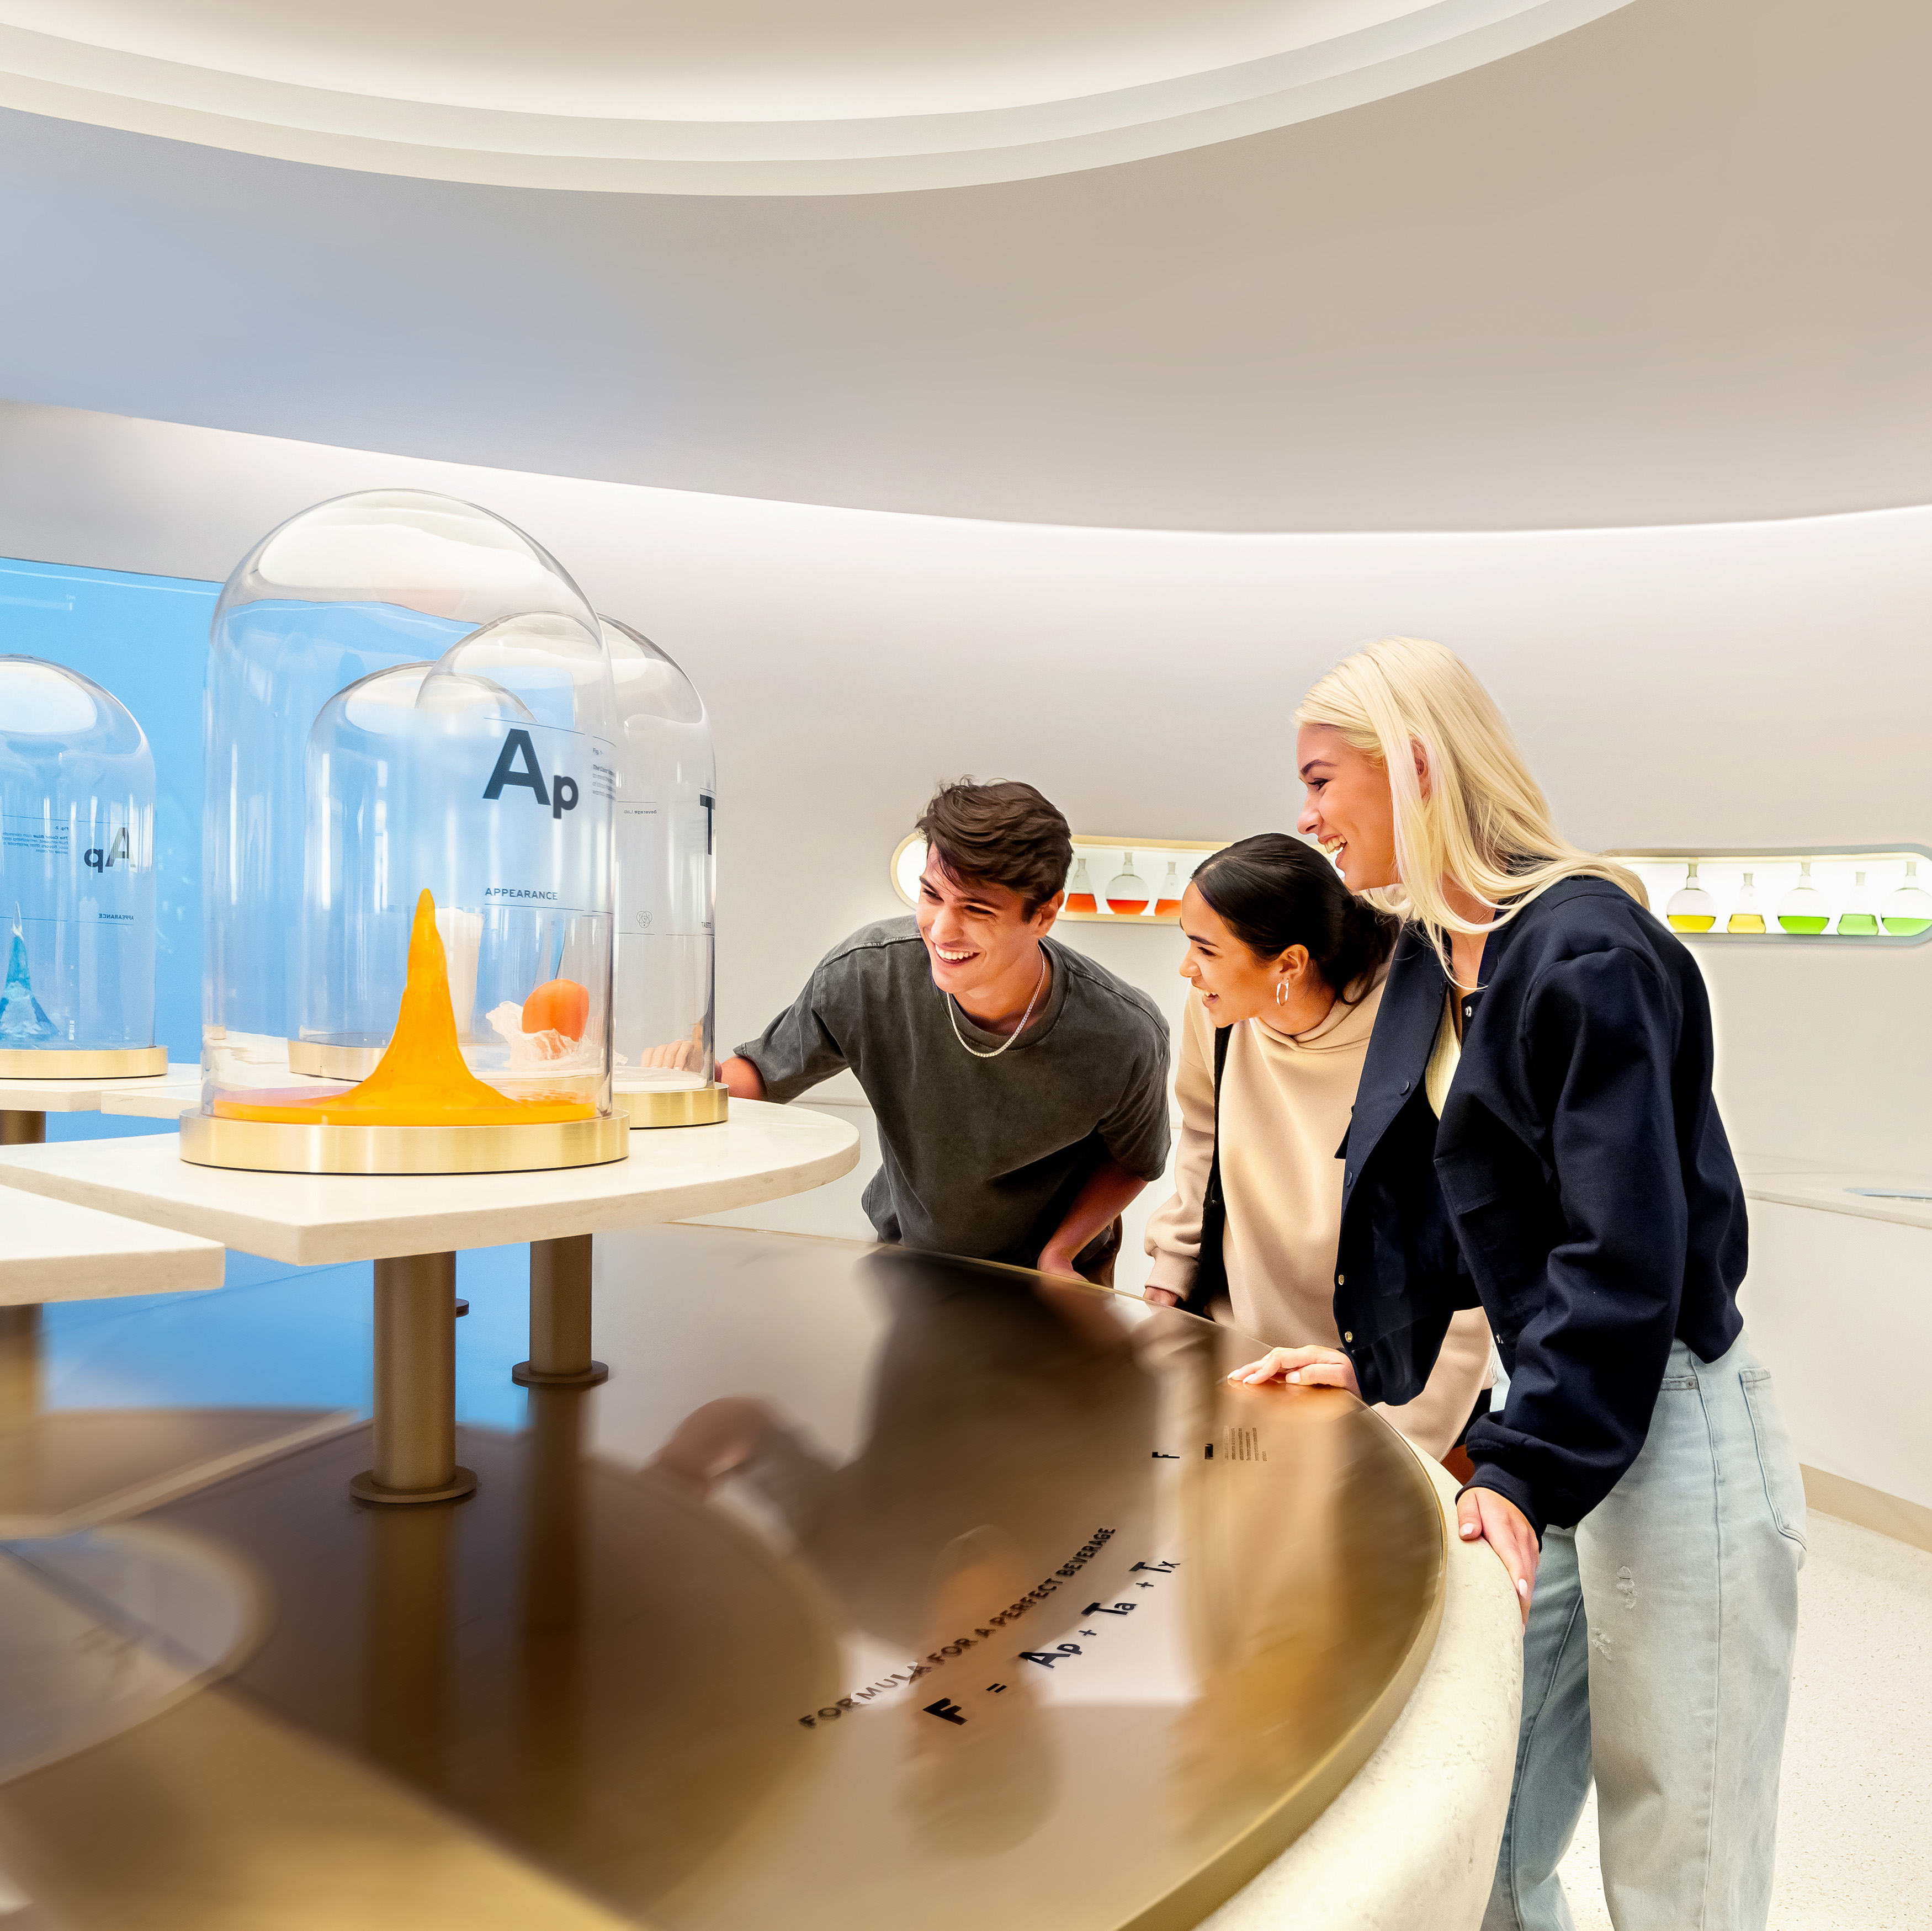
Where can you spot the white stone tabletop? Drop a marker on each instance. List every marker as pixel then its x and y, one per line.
pixel 51 1250
pixel 86 1096
pixel 762 1153
pixel 1866 1195
pixel 158 1099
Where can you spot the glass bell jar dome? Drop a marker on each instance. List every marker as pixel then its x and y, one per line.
pixel 77 879
pixel 665 987
pixel 411 773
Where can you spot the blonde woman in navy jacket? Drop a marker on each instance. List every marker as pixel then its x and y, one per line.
pixel 1535 1128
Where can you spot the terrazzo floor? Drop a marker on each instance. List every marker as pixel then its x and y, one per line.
pixel 1855 1820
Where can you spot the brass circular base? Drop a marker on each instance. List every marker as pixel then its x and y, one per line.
pixel 525 1376
pixel 366 1488
pixel 278 1146
pixel 330 1059
pixel 89 1062
pixel 673 1105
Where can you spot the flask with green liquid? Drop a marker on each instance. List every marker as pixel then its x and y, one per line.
pixel 1691 909
pixel 1908 910
pixel 1745 916
pixel 1858 921
pixel 1803 909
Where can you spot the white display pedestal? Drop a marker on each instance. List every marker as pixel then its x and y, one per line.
pixel 411 1225
pixel 72 1469
pixel 25 1103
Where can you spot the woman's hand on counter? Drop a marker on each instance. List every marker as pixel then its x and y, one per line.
pixel 1318 1367
pixel 1499 1522
pixel 1160 1297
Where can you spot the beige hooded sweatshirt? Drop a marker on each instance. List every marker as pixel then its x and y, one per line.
pixel 1285 1099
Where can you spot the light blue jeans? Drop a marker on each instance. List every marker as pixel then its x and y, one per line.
pixel 1658 1657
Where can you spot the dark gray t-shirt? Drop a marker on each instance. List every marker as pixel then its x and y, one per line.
pixel 982 1157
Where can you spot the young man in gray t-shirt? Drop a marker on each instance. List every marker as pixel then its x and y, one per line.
pixel 1021 1090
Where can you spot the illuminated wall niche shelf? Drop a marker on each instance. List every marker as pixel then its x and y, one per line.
pixel 1830 895
pixel 1112 879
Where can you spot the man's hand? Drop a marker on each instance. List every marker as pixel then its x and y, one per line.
pixel 1498 1521
pixel 1317 1367
pixel 1057 1258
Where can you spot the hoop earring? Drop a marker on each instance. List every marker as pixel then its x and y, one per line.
pixel 1281 992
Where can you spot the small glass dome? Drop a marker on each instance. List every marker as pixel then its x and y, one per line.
pixel 411 771
pixel 666 874
pixel 77 879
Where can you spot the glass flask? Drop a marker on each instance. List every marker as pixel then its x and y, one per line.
pixel 411 776
pixel 1691 909
pixel 1804 909
pixel 1908 911
pixel 664 988
pixel 1127 891
pixel 1167 903
pixel 77 879
pixel 1745 916
pixel 1858 921
pixel 1080 889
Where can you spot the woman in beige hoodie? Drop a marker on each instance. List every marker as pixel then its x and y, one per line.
pixel 1288 963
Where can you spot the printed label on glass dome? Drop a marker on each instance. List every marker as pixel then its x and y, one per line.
pixel 545 822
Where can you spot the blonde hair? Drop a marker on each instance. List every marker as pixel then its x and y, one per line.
pixel 1484 821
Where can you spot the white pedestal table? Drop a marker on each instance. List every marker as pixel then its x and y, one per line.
pixel 412 1225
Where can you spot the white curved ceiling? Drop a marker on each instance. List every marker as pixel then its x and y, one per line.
pixel 1669 268
pixel 738 96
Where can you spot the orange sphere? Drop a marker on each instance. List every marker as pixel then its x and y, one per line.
pixel 558 1005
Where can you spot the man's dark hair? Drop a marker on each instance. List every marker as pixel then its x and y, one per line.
pixel 1004 834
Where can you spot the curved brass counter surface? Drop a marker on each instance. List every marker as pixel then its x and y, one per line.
pixel 874 1588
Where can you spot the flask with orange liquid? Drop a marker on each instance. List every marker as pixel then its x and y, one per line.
pixel 1127 892
pixel 1168 905
pixel 1080 889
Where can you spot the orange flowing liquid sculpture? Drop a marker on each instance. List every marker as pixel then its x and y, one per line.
pixel 422 1079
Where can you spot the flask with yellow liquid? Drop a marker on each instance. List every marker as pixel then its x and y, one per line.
pixel 1745 916
pixel 1691 909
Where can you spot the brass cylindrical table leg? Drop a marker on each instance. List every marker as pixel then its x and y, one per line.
pixel 415 1385
pixel 560 1317
pixel 20 1365
pixel 20 1327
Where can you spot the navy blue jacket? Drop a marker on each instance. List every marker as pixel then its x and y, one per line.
pixel 1579 1184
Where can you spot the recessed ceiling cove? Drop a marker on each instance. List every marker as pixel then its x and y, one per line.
pixel 739 97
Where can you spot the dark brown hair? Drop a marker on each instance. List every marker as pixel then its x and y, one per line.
pixel 1273 891
pixel 1005 834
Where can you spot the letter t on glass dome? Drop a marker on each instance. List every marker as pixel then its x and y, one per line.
pixel 77 880
pixel 411 773
pixel 667 881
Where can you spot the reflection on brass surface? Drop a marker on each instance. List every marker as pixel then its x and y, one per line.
pixel 273 1147
pixel 65 1062
pixel 884 1589
pixel 22 1127
pixel 674 1106
pixel 68 1469
pixel 331 1059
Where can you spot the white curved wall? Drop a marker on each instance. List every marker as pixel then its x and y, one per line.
pixel 1750 683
